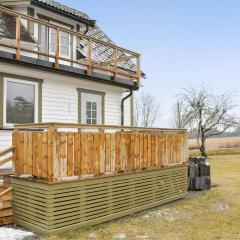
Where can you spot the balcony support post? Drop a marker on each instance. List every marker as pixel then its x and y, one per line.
pixel 89 58
pixel 56 55
pixel 18 36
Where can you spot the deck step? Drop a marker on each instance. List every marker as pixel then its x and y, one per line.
pixel 6 220
pixel 5 205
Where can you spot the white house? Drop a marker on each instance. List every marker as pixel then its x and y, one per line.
pixel 56 67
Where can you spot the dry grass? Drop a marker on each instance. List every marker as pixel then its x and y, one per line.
pixel 217 143
pixel 217 152
pixel 207 215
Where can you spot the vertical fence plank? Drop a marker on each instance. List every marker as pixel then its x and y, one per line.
pixel 44 156
pixel 83 153
pixel 141 151
pixel 63 154
pixel 123 152
pixel 149 153
pixel 113 159
pixel 118 152
pixel 50 150
pixel 96 155
pixel 16 144
pixel 77 154
pixel 30 153
pixel 137 152
pixel 90 153
pixel 102 152
pixel 108 153
pixel 70 154
pixel 128 151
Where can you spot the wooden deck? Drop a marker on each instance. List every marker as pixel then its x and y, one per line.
pixel 55 152
pixel 67 176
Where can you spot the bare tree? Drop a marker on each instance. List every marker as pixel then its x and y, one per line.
pixel 210 113
pixel 146 110
pixel 182 116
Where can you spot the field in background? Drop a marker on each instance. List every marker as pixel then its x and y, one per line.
pixel 208 215
pixel 217 143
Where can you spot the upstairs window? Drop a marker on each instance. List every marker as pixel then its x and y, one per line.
pixel 20 102
pixel 64 43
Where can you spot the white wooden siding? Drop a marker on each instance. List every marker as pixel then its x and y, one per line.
pixel 60 98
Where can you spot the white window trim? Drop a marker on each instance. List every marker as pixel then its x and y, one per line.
pixel 7 79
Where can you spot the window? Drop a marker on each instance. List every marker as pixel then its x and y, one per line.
pixel 91 106
pixel 64 43
pixel 91 112
pixel 20 102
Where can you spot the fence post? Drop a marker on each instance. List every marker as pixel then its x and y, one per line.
pixel 53 160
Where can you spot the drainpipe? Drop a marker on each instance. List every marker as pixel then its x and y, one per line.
pixel 122 106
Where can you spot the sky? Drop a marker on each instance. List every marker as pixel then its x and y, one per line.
pixel 181 42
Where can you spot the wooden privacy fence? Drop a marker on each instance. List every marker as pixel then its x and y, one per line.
pixel 55 155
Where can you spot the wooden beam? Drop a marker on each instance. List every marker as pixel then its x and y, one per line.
pixel 5 152
pixel 139 71
pixel 89 126
pixel 115 63
pixel 6 160
pixel 6 191
pixel 56 65
pixel 89 57
pixel 18 37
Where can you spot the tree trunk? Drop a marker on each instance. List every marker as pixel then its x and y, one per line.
pixel 203 148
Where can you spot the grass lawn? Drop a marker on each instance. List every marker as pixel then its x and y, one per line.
pixel 213 214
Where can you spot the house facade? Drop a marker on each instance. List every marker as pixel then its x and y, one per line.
pixel 57 65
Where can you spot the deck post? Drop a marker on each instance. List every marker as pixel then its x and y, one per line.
pixel 53 161
pixel 89 58
pixel 138 71
pixel 18 37
pixel 115 63
pixel 56 55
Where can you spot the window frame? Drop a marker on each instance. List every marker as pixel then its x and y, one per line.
pixel 60 43
pixel 36 97
pixel 89 91
pixel 91 110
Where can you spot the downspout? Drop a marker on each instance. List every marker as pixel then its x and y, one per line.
pixel 122 106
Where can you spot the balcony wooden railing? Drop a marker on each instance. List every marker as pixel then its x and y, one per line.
pixel 113 65
pixel 48 152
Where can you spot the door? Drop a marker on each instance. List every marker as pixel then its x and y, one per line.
pixel 91 108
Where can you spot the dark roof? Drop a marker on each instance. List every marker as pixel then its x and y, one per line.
pixel 66 10
pixel 8 28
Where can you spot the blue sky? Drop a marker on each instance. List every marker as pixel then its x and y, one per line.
pixel 181 42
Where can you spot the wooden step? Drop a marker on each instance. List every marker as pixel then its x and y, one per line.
pixel 5 205
pixel 6 212
pixel 6 220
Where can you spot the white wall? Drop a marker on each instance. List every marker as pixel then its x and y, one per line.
pixel 60 98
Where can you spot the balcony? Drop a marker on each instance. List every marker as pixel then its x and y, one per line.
pixel 20 35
